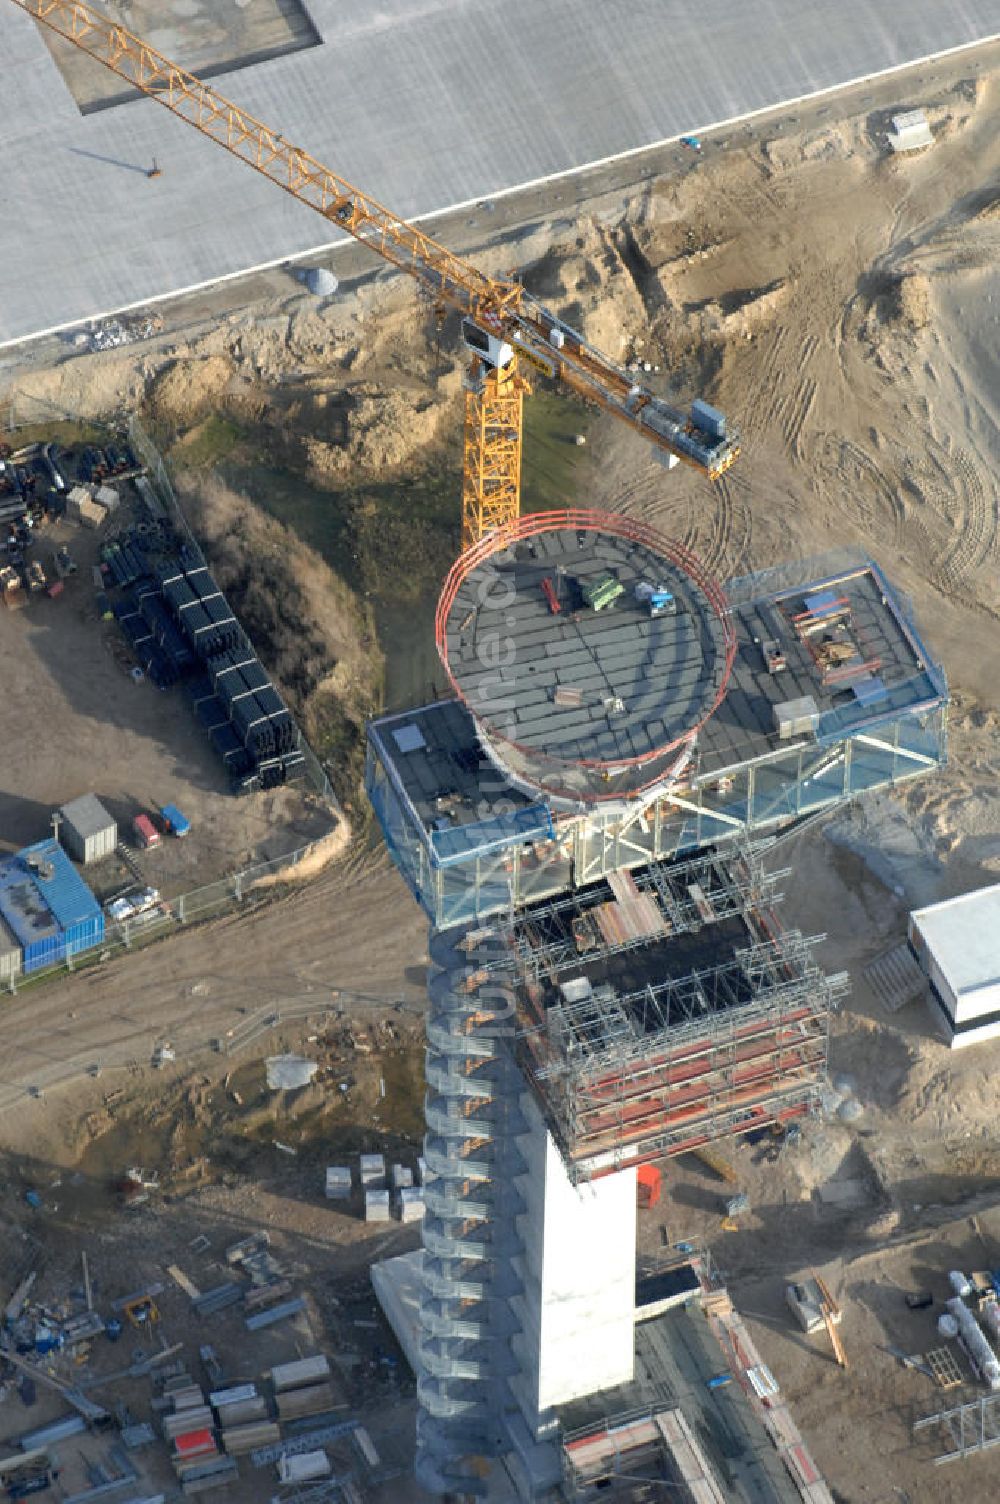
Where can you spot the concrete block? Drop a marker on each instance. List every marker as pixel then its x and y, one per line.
pixel 376 1206
pixel 411 1205
pixel 402 1178
pixel 373 1171
pixel 338 1182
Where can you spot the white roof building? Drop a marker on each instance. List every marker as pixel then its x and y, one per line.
pixel 958 946
pixel 910 132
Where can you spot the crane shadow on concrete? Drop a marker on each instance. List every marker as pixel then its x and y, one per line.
pixel 96 156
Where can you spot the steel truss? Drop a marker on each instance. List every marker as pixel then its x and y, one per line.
pixel 706 889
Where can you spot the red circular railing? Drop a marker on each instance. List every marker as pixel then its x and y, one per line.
pixel 613 523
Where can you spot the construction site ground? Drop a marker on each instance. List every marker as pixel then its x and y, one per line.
pixel 844 307
pixel 85 725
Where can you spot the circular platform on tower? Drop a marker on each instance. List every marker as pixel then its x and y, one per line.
pixel 589 650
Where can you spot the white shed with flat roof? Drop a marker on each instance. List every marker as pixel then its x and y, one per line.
pixel 87 831
pixel 958 946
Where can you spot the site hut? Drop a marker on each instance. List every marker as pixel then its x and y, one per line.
pixel 86 830
pixel 957 944
pixel 610 984
pixel 48 907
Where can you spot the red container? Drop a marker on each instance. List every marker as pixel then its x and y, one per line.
pixel 145 831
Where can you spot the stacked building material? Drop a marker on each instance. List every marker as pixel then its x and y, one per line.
pixel 300 1373
pixel 107 497
pixel 372 1170
pixel 199 607
pixel 177 621
pixel 124 560
pixel 189 1424
pixel 313 1399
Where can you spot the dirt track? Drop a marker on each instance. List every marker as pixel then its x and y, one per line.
pixel 355 928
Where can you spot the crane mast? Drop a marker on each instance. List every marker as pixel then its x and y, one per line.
pixel 503 327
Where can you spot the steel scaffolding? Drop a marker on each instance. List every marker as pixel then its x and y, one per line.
pixel 972 1427
pixel 629 1077
pixel 553 937
pixel 469 1235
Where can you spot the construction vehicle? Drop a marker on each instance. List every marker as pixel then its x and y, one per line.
pixel 503 327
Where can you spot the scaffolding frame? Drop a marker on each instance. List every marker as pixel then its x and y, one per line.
pixel 717 1052
pixel 973 1427
pixel 705 889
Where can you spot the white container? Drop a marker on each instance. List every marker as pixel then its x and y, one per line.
pixel 981 1355
pixel 959 1283
pixel 947 1325
pixel 305 1466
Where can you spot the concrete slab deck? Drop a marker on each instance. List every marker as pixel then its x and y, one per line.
pixel 404 99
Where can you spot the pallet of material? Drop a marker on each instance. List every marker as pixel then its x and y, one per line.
pixel 192 1445
pixel 263 1295
pixel 183 1421
pixel 242 1412
pixel 218 1474
pixel 275 1314
pixel 295 1403
pixel 716 1302
pixel 296 1375
pixel 91 514
pixel 241 1439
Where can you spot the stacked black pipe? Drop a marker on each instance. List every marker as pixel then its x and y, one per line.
pixel 180 625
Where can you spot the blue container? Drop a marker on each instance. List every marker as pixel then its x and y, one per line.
pixel 49 907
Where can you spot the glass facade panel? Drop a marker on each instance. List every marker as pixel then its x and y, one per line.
pixel 491 877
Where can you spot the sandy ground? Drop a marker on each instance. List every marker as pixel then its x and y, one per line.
pixel 843 307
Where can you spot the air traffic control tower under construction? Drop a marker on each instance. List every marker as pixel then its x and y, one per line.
pixel 585 821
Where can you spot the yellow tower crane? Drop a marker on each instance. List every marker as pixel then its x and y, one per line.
pixel 503 327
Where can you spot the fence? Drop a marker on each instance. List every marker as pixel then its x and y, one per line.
pixel 244 889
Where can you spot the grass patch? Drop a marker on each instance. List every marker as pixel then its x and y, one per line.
pixel 209 442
